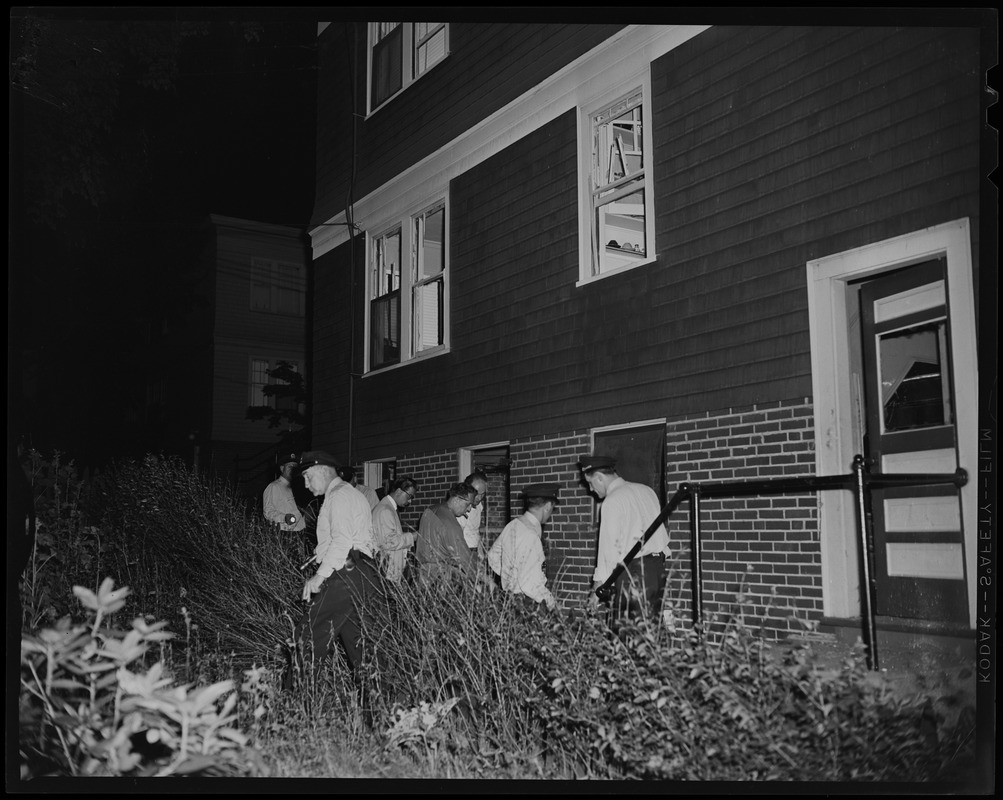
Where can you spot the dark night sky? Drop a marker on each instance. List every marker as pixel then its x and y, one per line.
pixel 231 131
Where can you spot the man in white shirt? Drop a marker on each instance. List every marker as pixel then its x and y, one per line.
pixel 626 511
pixel 278 502
pixel 471 523
pixel 347 474
pixel 347 580
pixel 517 554
pixel 393 541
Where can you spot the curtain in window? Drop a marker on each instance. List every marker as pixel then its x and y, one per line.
pixel 387 65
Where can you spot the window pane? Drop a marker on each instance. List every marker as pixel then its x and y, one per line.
pixel 259 377
pixel 620 224
pixel 386 264
pixel 384 28
pixel 384 343
pixel 286 402
pixel 289 291
pixel 429 230
pixel 430 45
pixel 261 286
pixel 428 315
pixel 386 65
pixel 618 150
pixel 914 389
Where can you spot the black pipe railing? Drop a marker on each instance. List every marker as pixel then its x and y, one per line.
pixel 861 483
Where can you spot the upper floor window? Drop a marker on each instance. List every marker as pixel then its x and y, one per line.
pixel 400 52
pixel 408 307
pixel 617 195
pixel 385 305
pixel 277 287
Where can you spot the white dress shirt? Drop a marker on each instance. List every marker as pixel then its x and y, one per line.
pixel 471 524
pixel 391 538
pixel 517 556
pixel 624 515
pixel 345 523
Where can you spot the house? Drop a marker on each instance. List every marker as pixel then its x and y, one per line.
pixel 247 312
pixel 718 252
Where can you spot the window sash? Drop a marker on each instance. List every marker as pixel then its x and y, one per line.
pixel 619 215
pixel 387 65
pixel 407 309
pixel 428 293
pixel 260 379
pixel 400 53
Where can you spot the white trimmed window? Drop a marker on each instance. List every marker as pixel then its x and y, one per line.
pixel 408 308
pixel 617 200
pixel 400 53
pixel 278 287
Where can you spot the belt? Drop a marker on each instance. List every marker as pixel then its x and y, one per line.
pixel 360 556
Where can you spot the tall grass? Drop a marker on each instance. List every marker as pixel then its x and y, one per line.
pixel 464 680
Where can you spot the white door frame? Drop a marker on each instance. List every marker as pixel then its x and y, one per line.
pixel 837 439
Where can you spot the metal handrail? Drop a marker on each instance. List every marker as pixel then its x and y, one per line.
pixel 861 482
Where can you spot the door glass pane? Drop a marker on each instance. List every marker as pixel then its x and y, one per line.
pixel 915 392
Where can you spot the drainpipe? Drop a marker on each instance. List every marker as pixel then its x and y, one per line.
pixel 865 548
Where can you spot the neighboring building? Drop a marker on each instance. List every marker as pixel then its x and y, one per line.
pixel 720 253
pixel 247 313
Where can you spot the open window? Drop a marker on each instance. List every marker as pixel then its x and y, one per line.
pixel 617 195
pixel 408 308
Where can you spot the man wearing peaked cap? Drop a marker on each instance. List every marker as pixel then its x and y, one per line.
pixel 319 458
pixel 347 582
pixel 594 462
pixel 517 554
pixel 626 511
pixel 278 503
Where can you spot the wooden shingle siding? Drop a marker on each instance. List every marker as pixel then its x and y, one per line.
pixel 810 133
pixel 329 374
pixel 489 65
pixel 772 147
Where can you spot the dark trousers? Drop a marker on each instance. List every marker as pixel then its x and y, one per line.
pixel 335 616
pixel 637 593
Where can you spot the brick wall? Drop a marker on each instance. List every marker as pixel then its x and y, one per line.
pixel 764 550
pixel 570 534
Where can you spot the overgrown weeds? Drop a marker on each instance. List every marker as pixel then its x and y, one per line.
pixel 464 680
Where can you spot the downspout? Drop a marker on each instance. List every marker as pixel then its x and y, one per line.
pixel 351 35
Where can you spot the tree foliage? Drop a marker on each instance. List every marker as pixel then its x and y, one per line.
pixel 288 390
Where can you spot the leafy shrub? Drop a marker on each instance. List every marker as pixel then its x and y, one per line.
pixel 465 680
pixel 89 706
pixel 559 695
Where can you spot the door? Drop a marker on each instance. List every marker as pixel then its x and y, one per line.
pixel 911 428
